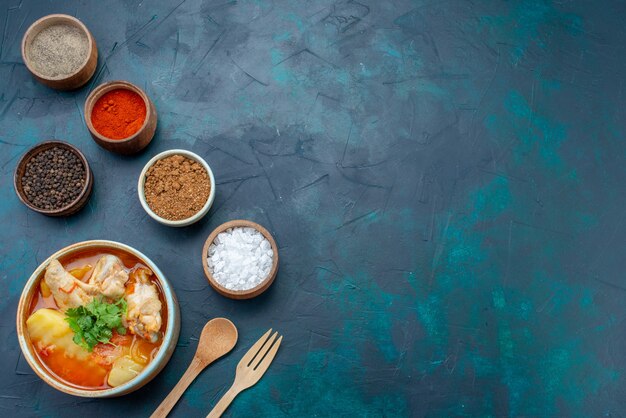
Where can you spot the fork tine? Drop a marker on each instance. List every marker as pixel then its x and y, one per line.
pixel 247 358
pixel 263 350
pixel 265 363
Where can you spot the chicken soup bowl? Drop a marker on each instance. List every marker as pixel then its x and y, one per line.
pixel 102 278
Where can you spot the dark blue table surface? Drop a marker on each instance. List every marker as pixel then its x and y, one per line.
pixel 445 181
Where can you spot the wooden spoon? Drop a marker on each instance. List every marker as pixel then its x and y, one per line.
pixel 218 337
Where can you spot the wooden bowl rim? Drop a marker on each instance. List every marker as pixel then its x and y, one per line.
pixel 240 294
pixel 29 154
pixel 100 91
pixel 163 356
pixel 41 20
pixel 141 183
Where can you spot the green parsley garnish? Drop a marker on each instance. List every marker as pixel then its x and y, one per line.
pixel 94 323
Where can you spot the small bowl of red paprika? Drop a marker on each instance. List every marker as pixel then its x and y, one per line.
pixel 120 117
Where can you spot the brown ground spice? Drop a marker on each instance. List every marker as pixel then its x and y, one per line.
pixel 177 187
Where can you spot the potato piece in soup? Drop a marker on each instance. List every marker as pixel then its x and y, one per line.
pixel 48 328
pixel 124 369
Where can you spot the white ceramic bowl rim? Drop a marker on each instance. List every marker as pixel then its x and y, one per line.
pixel 168 293
pixel 76 23
pixel 142 180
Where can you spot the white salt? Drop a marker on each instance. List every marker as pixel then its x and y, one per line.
pixel 240 258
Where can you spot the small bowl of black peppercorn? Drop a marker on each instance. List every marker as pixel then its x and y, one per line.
pixel 53 178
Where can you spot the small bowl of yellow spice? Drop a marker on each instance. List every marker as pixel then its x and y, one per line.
pixel 176 188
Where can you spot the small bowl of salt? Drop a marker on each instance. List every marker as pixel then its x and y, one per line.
pixel 240 259
pixel 60 52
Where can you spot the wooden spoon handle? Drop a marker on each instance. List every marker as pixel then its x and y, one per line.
pixel 221 406
pixel 168 403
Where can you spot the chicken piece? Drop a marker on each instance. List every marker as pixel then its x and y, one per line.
pixel 109 277
pixel 67 290
pixel 143 316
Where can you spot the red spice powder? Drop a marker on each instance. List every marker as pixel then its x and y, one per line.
pixel 118 114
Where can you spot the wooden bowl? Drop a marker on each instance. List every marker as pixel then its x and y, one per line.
pixel 80 76
pixel 73 207
pixel 161 357
pixel 140 139
pixel 240 294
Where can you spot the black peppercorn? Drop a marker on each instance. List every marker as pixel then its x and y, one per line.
pixel 53 178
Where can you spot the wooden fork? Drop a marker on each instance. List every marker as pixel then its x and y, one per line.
pixel 250 369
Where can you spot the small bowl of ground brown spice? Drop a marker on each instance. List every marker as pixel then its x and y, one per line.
pixel 53 178
pixel 176 187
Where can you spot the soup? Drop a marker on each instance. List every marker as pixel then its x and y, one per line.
pixel 98 318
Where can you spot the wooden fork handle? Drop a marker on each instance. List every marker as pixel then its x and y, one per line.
pixel 224 403
pixel 168 403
